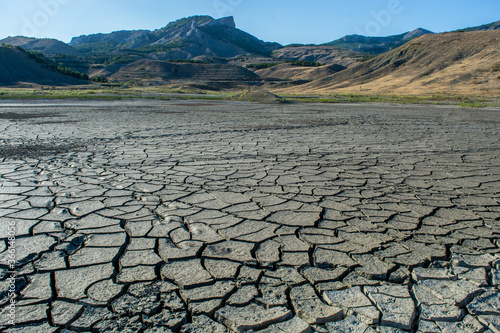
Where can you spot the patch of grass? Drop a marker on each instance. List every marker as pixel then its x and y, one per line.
pixel 260 96
pixel 100 94
pixel 155 48
pixel 398 99
pixel 473 105
pixel 120 59
pixel 179 93
pixel 62 96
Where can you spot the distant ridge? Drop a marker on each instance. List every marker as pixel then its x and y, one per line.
pixel 376 45
pixel 46 46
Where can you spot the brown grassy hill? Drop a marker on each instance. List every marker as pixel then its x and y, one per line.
pixel 17 69
pixel 159 71
pixel 456 63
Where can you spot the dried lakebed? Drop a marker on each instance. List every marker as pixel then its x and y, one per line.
pixel 158 216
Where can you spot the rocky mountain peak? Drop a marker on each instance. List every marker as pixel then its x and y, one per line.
pixel 224 21
pixel 417 33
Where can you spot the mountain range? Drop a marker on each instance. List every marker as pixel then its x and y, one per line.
pixel 203 38
pixel 203 48
pixel 188 38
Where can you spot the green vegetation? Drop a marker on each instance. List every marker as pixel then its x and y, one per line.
pixel 99 79
pixel 155 48
pixel 106 93
pixel 473 105
pixel 188 61
pixel 68 71
pixel 304 63
pixel 120 59
pixel 496 67
pixel 93 49
pixel 364 59
pixel 258 96
pixel 56 94
pixel 263 65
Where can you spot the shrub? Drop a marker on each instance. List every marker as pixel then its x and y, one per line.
pixel 473 105
pixel 100 79
pixel 120 59
pixel 72 73
pixel 304 63
pixel 261 65
pixel 370 57
pixel 191 61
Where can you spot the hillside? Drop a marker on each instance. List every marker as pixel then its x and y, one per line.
pixel 45 46
pixel 16 68
pixel 466 62
pixel 186 39
pixel 287 74
pixel 161 71
pixel 376 45
pixel 319 53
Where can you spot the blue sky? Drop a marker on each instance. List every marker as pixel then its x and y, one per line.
pixel 283 21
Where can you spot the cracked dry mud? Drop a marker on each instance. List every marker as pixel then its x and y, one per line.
pixel 150 216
